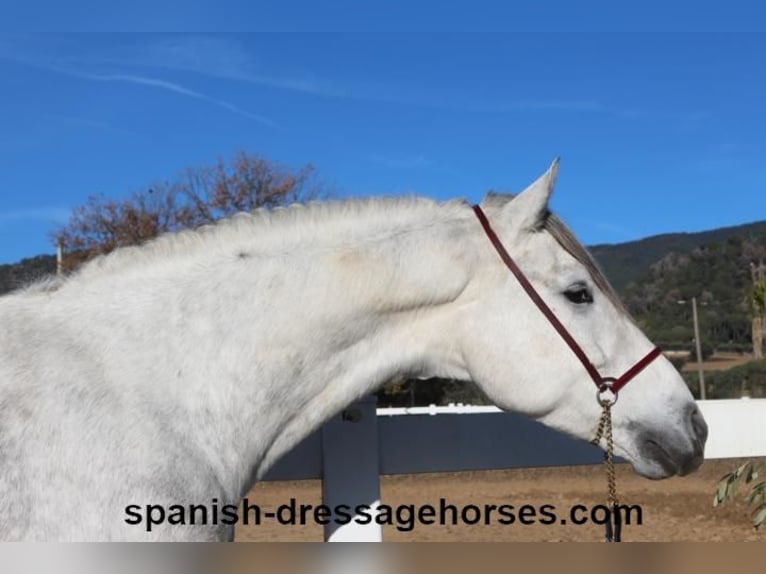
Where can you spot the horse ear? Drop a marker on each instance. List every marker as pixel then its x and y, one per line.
pixel 529 209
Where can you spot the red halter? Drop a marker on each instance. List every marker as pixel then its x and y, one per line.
pixel 602 383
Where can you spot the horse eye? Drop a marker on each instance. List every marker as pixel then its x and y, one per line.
pixel 579 294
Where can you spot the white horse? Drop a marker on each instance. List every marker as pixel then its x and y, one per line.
pixel 181 370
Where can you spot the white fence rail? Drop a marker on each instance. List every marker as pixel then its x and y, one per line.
pixel 353 449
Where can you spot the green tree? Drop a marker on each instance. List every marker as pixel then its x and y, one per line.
pixel 749 474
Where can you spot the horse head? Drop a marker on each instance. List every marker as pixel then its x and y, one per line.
pixel 523 364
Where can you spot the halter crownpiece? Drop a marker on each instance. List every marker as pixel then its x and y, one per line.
pixel 603 384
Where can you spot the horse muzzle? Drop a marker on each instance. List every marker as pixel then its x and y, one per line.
pixel 679 451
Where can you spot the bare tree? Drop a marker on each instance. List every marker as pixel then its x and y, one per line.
pixel 200 195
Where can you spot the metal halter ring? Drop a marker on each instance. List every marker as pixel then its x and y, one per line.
pixel 603 387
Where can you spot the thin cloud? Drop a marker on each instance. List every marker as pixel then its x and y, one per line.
pixel 217 57
pixel 406 162
pixel 50 214
pixel 227 59
pixel 89 123
pixel 75 68
pixel 171 87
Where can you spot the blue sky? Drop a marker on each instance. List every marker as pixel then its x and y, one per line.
pixel 657 132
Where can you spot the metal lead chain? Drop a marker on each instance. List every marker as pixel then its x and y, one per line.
pixel 613 527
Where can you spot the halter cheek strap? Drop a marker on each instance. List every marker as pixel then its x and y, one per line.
pixel 602 383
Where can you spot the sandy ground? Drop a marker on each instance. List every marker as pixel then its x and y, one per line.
pixel 678 509
pixel 720 362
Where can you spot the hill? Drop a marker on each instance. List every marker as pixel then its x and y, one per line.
pixel 718 275
pixel 625 263
pixel 15 275
pixel 657 277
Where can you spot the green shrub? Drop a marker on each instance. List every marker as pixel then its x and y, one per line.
pixel 731 383
pixel 678 361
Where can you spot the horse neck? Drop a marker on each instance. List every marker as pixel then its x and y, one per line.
pixel 254 353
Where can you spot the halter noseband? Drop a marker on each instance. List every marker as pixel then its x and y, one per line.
pixel 603 384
